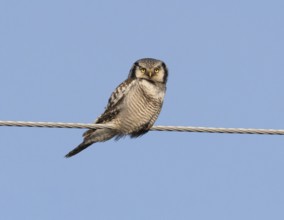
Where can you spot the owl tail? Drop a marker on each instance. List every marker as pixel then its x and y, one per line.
pixel 91 137
pixel 78 149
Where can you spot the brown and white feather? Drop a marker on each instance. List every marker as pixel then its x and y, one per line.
pixel 134 105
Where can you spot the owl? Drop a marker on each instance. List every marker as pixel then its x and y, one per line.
pixel 134 105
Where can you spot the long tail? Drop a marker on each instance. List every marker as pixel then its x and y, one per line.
pixel 91 137
pixel 78 149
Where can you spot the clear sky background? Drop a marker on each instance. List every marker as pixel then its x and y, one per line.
pixel 61 60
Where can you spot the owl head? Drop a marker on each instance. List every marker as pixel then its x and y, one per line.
pixel 150 69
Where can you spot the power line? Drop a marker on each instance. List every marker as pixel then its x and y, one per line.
pixel 154 128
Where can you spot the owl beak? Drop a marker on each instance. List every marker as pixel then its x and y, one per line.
pixel 150 73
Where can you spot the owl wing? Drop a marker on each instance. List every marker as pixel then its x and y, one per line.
pixel 113 106
pixel 116 98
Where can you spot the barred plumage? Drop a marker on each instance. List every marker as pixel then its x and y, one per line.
pixel 134 106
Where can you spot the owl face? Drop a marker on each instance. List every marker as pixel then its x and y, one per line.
pixel 150 69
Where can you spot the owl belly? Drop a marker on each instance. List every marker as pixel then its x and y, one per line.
pixel 140 111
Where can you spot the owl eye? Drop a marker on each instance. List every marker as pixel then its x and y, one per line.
pixel 157 70
pixel 143 70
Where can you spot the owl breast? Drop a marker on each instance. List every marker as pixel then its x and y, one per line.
pixel 141 107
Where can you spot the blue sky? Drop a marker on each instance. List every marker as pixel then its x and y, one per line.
pixel 60 61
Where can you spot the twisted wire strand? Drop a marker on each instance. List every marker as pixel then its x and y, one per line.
pixel 154 128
